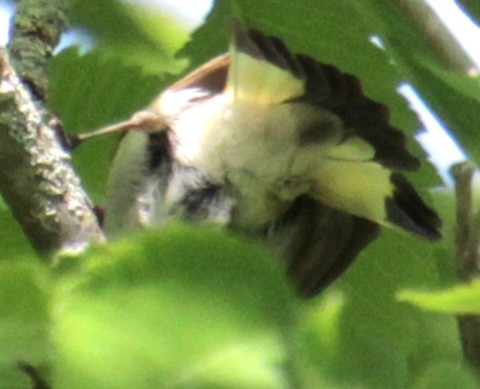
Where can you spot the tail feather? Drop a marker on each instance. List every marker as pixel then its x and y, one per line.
pixel 318 242
pixel 407 210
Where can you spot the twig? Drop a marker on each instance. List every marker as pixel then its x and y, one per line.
pixel 467 255
pixel 439 36
pixel 463 173
pixel 36 178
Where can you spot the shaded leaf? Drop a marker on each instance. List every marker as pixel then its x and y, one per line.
pixel 470 7
pixel 358 335
pixel 13 241
pixel 462 83
pixel 88 92
pixel 446 375
pixel 25 293
pixel 411 50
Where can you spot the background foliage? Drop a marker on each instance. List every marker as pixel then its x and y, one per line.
pixel 197 308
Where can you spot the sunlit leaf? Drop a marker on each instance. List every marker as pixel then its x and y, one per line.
pixel 462 299
pixel 175 307
pixel 134 34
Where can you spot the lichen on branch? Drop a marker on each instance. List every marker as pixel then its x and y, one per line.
pixel 37 180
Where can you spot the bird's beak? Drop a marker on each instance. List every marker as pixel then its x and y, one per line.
pixel 145 120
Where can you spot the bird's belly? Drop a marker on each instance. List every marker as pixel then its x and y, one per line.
pixel 250 148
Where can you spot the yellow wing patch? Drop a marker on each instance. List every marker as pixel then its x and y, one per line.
pixel 353 149
pixel 359 188
pixel 258 81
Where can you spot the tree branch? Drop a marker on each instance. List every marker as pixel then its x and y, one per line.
pixel 36 178
pixel 467 255
pixel 35 33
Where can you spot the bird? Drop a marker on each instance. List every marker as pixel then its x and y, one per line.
pixel 277 147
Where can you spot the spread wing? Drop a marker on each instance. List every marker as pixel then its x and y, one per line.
pixel 361 172
pixel 359 183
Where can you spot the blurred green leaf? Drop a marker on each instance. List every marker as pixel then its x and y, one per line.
pixel 134 34
pixel 358 335
pixel 462 299
pixel 25 293
pixel 90 91
pixel 12 239
pixel 446 375
pixel 177 307
pixel 135 47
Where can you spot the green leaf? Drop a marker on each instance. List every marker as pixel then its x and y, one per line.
pixel 471 7
pixel 12 239
pixel 411 50
pixel 25 293
pixel 464 84
pixel 88 92
pixel 461 299
pixel 358 335
pixel 132 34
pixel 176 307
pixel 135 46
pixel 446 375
pixel 384 341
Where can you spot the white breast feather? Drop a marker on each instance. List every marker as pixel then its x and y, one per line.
pixel 249 146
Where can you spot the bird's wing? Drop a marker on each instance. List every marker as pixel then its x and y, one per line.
pixel 360 172
pixel 139 171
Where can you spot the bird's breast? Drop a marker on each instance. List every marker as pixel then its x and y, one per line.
pixel 250 147
pixel 218 136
